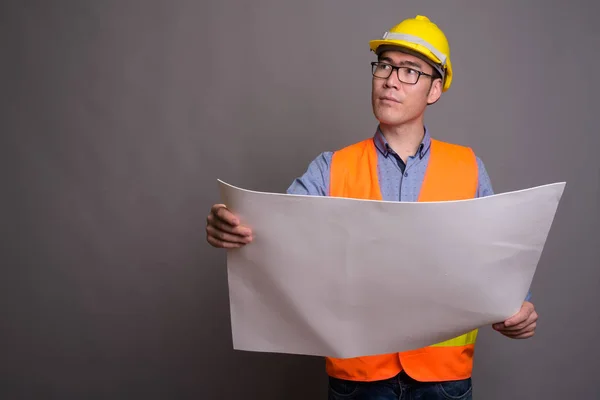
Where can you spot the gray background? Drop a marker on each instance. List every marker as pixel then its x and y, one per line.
pixel 119 116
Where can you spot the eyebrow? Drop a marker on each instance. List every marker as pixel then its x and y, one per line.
pixel 403 63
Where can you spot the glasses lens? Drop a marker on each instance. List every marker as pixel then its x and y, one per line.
pixel 381 70
pixel 408 75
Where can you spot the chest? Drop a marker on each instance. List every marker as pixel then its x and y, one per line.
pixel 399 182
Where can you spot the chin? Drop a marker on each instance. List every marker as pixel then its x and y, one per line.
pixel 390 118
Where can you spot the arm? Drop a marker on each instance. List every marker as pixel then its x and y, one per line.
pixel 484 185
pixel 315 180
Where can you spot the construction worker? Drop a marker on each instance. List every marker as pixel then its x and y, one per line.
pixel 400 162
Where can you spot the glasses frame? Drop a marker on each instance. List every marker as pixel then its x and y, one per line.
pixel 397 69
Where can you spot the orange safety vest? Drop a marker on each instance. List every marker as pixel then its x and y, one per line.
pixel 451 174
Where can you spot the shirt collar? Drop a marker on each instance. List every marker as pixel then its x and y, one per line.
pixel 384 148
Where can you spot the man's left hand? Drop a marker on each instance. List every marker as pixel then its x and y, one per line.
pixel 521 325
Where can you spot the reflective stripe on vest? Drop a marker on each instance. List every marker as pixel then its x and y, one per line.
pixel 451 174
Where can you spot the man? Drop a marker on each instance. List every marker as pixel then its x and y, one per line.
pixel 402 162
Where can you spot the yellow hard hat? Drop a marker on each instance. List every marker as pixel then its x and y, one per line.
pixel 421 36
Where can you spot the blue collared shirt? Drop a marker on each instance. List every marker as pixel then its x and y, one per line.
pixel 398 181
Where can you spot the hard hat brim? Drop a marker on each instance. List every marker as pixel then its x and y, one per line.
pixel 378 45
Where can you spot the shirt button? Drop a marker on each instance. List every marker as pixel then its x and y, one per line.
pixel 406 174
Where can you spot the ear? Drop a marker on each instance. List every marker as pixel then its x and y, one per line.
pixel 435 92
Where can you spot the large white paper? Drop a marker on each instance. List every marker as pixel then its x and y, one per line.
pixel 344 277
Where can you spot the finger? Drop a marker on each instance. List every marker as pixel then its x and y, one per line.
pixel 521 316
pixel 224 214
pixel 225 227
pixel 516 319
pixel 221 244
pixel 512 333
pixel 531 319
pixel 226 221
pixel 521 335
pixel 227 237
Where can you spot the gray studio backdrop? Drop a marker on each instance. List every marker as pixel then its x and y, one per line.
pixel 119 116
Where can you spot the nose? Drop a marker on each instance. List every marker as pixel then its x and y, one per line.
pixel 392 81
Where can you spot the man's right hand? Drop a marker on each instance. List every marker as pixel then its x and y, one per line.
pixel 223 229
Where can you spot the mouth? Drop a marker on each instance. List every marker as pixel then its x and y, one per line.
pixel 389 99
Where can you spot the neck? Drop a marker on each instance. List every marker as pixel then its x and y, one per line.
pixel 404 139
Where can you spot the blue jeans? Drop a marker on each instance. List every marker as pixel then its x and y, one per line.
pixel 400 387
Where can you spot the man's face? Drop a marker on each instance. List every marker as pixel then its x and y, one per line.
pixel 395 102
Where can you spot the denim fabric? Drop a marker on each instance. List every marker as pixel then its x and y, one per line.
pixel 400 387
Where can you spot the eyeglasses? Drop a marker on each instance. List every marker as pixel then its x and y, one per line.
pixel 405 74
